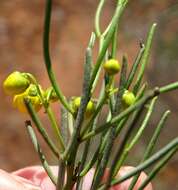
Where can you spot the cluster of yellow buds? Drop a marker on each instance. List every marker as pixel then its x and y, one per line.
pixel 19 86
pixel 112 67
pixel 89 109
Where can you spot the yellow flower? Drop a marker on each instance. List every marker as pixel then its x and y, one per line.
pixel 112 66
pixel 128 98
pixel 32 95
pixel 15 83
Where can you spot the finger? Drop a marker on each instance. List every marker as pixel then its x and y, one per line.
pixel 9 182
pixel 38 176
pixel 123 186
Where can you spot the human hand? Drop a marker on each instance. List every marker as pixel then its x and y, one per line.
pixel 35 178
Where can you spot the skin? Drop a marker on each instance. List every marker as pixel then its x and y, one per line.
pixel 35 178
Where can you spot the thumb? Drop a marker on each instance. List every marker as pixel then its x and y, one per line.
pixel 122 186
pixel 10 181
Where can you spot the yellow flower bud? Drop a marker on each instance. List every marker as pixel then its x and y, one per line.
pixel 15 83
pixel 31 93
pixel 112 66
pixel 89 109
pixel 128 98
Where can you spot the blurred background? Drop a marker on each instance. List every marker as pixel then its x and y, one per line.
pixel 21 24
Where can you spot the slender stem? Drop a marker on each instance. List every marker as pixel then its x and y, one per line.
pixel 70 182
pixel 65 124
pixel 151 144
pixel 143 125
pixel 92 123
pixel 92 40
pixel 144 59
pixel 110 24
pixel 101 41
pixel 116 163
pixel 156 157
pixel 40 128
pixel 123 114
pixel 106 154
pixel 135 66
pixel 80 116
pixel 48 59
pixel 121 87
pixel 130 145
pixel 97 18
pixel 71 151
pixel 49 112
pixel 40 153
pixel 61 175
pixel 114 43
pixel 112 131
pixel 90 163
pixel 157 168
pixel 143 100
pixel 56 129
pixel 118 13
pixel 83 161
pixel 99 106
pixel 169 87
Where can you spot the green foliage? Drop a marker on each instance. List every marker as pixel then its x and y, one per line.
pixel 126 102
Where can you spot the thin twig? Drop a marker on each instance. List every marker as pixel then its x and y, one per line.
pixel 152 160
pixel 40 128
pixel 47 58
pixel 144 59
pixel 151 144
pixel 40 153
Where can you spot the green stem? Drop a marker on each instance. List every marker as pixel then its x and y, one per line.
pixel 130 145
pixel 70 182
pixel 143 125
pixel 152 160
pixel 169 87
pixel 40 128
pixel 118 13
pixel 157 168
pixel 114 43
pixel 123 114
pixel 92 123
pixel 49 112
pixel 97 18
pixel 101 41
pixel 74 143
pixel 135 66
pixel 56 129
pixel 40 153
pixel 119 156
pixel 110 137
pixel 143 100
pixel 144 59
pixel 151 145
pixel 47 56
pixel 83 161
pixel 61 175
